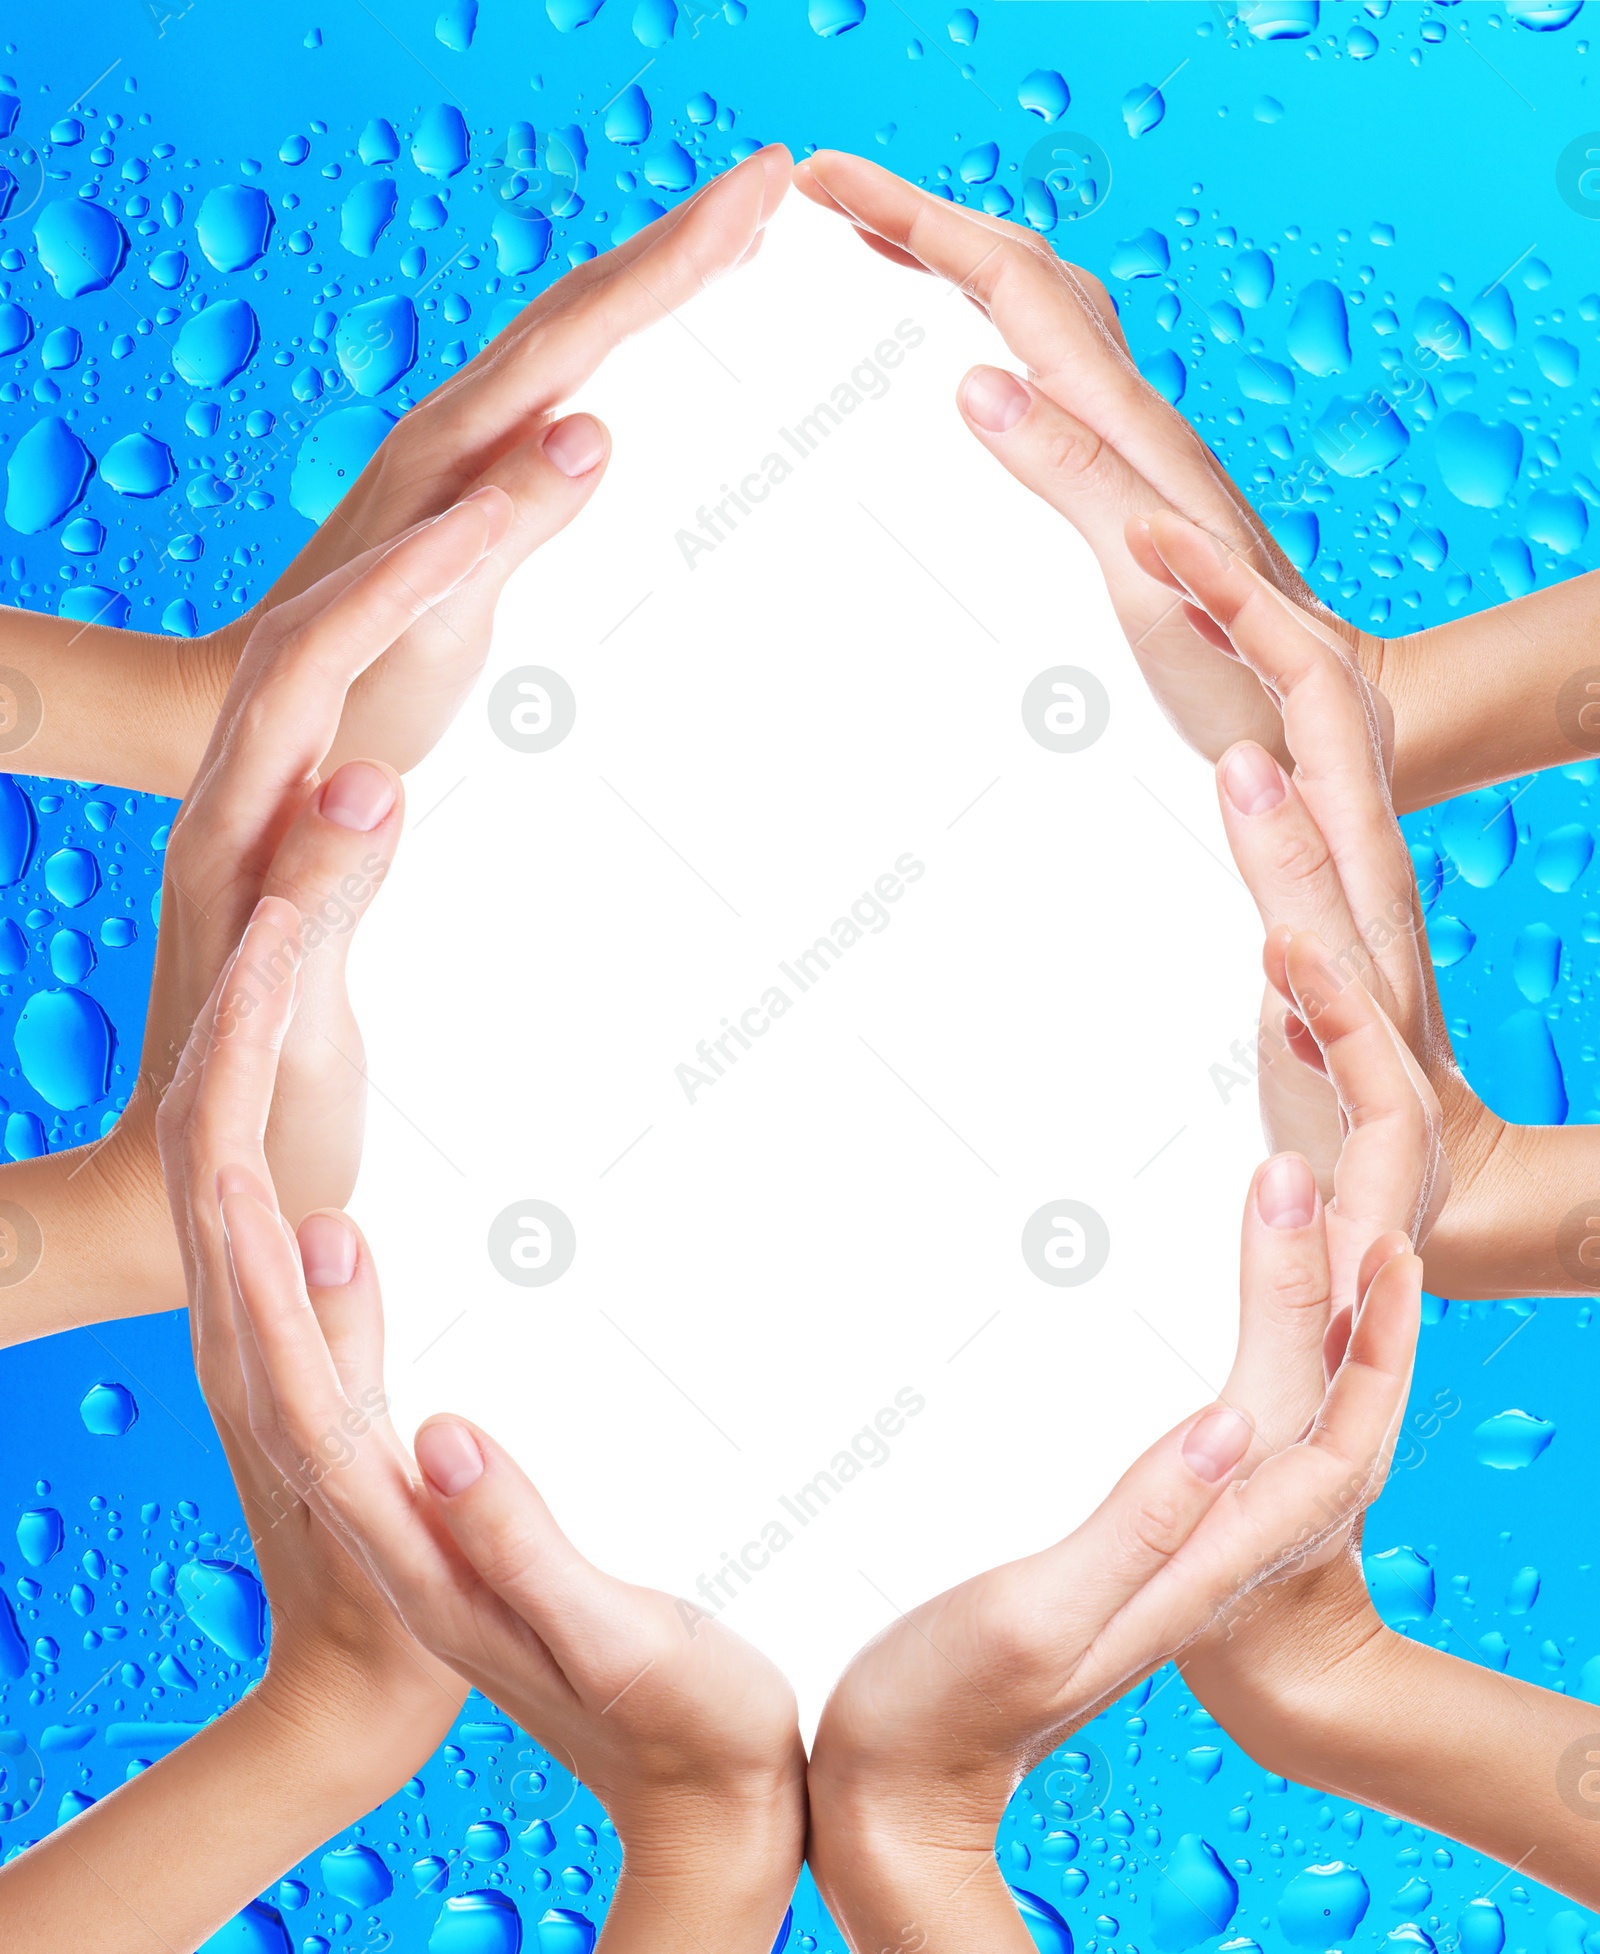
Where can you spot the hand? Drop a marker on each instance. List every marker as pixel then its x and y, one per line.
pixel 1322 850
pixel 685 1733
pixel 933 1725
pixel 493 423
pixel 1087 433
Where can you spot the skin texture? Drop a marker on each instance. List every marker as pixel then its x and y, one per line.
pixel 488 441
pixel 934 1724
pixel 1474 701
pixel 686 1734
pixel 1321 849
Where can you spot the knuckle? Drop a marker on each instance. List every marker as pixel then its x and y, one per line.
pixel 1297 1285
pixel 1302 856
pixel 1154 1529
pixel 1073 452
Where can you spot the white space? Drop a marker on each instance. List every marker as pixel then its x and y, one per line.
pixel 765 1269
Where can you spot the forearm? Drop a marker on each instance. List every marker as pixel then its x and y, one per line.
pixel 1489 697
pixel 707 1878
pixel 86 1237
pixel 125 708
pixel 1479 1756
pixel 1523 1217
pixel 260 1788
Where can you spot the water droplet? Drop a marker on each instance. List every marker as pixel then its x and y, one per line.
pixel 1563 856
pixel 259 1929
pixel 1480 835
pixel 1544 16
pixel 226 1603
pixel 1047 1930
pixel 356 1875
pixel 16 328
pixel 441 146
pixel 1142 108
pixel 1319 331
pixel 367 213
pixel 1203 1762
pixel 1532 1089
pixel 1449 940
pixel 489 1923
pixel 46 475
pixel 1045 94
pixel 1281 20
pixel 1523 1591
pixel 522 239
pixel 1536 961
pixel 81 245
pixel 1196 1897
pixel 1359 437
pixel 376 343
pixel 1512 1439
pixel 138 465
pixel 628 118
pixel 457 24
pixel 1477 460
pixel 40 1535
pixel 1481 1928
pixel 830 18
pixel 64 1043
pixel 332 455
pixel 1167 373
pixel 1144 256
pixel 1252 278
pixel 72 875
pixel 486 1841
pixel 108 1410
pixel 1401 1584
pixel 17 830
pixel 217 344
pixel 1323 1906
pixel 233 226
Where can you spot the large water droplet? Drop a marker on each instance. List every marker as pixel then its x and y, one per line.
pixel 457 24
pixel 108 1410
pixel 1045 94
pixel 1481 1928
pixel 64 1044
pixel 1477 460
pixel 138 465
pixel 830 18
pixel 1319 331
pixel 39 1535
pixel 233 225
pixel 628 118
pixel 1563 856
pixel 224 1602
pixel 521 240
pixel 17 830
pixel 1479 832
pixel 1359 437
pixel 367 213
pixel 1323 1906
pixel 1196 1897
pixel 1512 1439
pixel 1252 278
pixel 1532 1090
pixel 1401 1584
pixel 332 455
pixel 1046 1929
pixel 356 1875
pixel 1536 961
pixel 80 244
pixel 481 1923
pixel 654 22
pixel 1143 108
pixel 377 342
pixel 441 146
pixel 16 328
pixel 217 344
pixel 259 1929
pixel 46 475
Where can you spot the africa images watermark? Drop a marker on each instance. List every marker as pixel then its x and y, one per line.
pixel 869 1447
pixel 868 916
pixel 867 381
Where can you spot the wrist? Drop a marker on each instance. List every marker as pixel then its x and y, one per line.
pixel 373 1724
pixel 706 1873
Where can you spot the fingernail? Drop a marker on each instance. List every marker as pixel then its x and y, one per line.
pixel 1253 779
pixel 449 1457
pixel 359 796
pixel 575 444
pixel 1286 1194
pixel 1216 1444
pixel 327 1250
pixel 994 400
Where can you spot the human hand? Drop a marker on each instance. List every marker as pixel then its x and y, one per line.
pixel 684 1732
pixel 494 424
pixel 1322 849
pixel 933 1725
pixel 1087 433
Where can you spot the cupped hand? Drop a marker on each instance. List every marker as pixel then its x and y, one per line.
pixel 1087 433
pixel 935 1723
pixel 495 424
pixel 684 1732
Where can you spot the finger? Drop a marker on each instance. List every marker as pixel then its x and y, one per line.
pixel 342 1285
pixel 282 709
pixel 1281 852
pixel 1277 1377
pixel 1148 1515
pixel 239 1066
pixel 1383 1249
pixel 1388 1174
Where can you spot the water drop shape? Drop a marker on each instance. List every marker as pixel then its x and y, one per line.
pixel 831 18
pixel 1523 1591
pixel 1494 319
pixel 628 118
pixel 72 875
pixel 94 603
pixel 13 1650
pixel 1143 108
pixel 1359 437
pixel 1144 256
pixel 522 239
pixel 480 1923
pixel 457 24
pixel 486 1841
pixel 71 956
pixel 1512 563
pixel 379 143
pixel 1167 373
pixel 1045 94
pixel 1557 360
pixel 138 465
pixel 81 245
pixel 1536 962
pixel 366 214
pixel 1480 1928
pixel 1541 16
pixel 1533 1090
pixel 46 475
pixel 654 22
pixel 1361 44
pixel 233 225
pixel 13 950
pixel 1265 380
pixel 1282 20
pixel 259 1929
pixel 1479 832
pixel 1408 1938
pixel 62 348
pixel 1046 1929
pixel 1319 331
pixel 980 163
pixel 1559 522
pixel 108 1410
pixel 1203 1762
pixel 1402 1585
pixel 1478 460
pixel 332 455
pixel 356 1875
pixel 1449 940
pixel 538 1841
pixel 16 328
pixel 40 1535
pixel 1442 330
pixel 377 343
pixel 441 146
pixel 169 269
pixel 1512 1439
pixel 670 168
pixel 1563 856
pixel 225 1602
pixel 428 213
pixel 635 214
pixel 25 1137
pixel 64 1045
pixel 1252 278
pixel 216 345
pixel 1299 536
pixel 181 618
pixel 430 1875
pixel 1323 1906
pixel 1039 204
pixel 1196 1897
pixel 17 831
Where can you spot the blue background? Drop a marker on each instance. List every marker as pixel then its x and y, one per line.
pixel 1412 160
